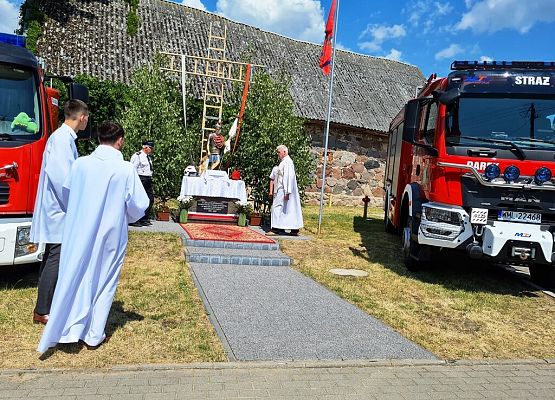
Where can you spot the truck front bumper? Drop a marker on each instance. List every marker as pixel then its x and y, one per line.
pixel 12 249
pixel 509 242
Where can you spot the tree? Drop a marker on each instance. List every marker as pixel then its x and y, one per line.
pixel 270 121
pixel 155 112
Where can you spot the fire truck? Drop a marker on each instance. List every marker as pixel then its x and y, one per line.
pixel 28 115
pixel 470 167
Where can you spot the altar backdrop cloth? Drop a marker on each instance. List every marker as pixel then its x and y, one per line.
pixel 210 186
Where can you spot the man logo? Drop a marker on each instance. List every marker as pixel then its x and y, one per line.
pixel 523 234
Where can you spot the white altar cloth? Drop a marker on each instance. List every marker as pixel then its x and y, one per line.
pixel 209 186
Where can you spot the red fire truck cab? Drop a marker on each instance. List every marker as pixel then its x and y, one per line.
pixel 28 115
pixel 470 167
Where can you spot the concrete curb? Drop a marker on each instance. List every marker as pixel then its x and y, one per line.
pixel 281 365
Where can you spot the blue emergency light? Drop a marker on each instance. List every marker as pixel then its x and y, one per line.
pixel 16 40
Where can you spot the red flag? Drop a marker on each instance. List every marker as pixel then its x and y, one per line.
pixel 325 57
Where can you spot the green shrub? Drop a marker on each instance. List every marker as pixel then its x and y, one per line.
pixel 268 122
pixel 132 23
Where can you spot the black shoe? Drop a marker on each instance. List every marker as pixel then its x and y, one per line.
pixel 146 222
pixel 136 224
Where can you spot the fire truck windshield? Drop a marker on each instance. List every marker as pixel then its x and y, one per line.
pixel 518 124
pixel 19 105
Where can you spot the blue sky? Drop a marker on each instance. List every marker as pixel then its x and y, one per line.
pixel 427 33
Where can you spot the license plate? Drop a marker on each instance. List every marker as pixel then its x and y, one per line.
pixel 520 216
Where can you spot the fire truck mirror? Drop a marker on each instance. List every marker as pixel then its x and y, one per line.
pixel 412 120
pixel 85 133
pixel 79 92
pixel 449 97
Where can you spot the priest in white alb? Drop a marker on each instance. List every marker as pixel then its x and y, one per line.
pixel 287 215
pixel 102 195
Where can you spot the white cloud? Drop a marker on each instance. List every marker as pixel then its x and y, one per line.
pixel 495 15
pixel 194 3
pixel 427 11
pixel 341 46
pixel 443 8
pixel 298 19
pixel 394 54
pixel 449 52
pixel 416 10
pixel 485 58
pixel 10 16
pixel 379 34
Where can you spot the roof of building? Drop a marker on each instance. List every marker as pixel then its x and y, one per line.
pixel 91 37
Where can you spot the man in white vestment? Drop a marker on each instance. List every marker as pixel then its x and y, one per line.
pixel 102 195
pixel 286 207
pixel 48 218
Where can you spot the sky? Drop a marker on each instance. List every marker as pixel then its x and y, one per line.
pixel 429 34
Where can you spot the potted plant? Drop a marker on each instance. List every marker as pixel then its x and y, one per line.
pixel 162 211
pixel 185 202
pixel 255 219
pixel 244 210
pixel 261 203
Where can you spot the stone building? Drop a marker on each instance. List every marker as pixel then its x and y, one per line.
pixel 90 36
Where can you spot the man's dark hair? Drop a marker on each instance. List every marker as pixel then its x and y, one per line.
pixel 74 108
pixel 109 132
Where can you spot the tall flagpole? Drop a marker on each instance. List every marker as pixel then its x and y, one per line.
pixel 328 120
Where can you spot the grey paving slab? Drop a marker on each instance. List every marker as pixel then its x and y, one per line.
pixel 159 226
pixel 276 313
pixel 236 256
pixel 285 380
pixel 230 245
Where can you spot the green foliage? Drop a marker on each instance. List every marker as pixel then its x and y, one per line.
pixel 268 122
pixel 155 112
pixel 132 23
pixel 133 19
pixel 106 98
pixel 31 19
pixel 34 32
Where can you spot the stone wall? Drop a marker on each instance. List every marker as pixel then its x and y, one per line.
pixel 355 167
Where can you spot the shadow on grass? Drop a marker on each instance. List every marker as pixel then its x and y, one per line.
pixel 117 318
pixel 452 270
pixel 22 276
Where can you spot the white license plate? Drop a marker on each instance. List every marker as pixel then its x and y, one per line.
pixel 520 216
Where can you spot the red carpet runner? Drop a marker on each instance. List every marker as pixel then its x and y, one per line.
pixel 225 233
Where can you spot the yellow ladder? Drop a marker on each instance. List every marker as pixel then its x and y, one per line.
pixel 215 72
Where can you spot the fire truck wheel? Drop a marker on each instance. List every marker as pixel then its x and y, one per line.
pixel 543 275
pixel 409 247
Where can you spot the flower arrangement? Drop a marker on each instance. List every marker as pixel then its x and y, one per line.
pixel 185 202
pixel 243 208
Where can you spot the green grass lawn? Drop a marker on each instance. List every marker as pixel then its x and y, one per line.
pixel 459 309
pixel 157 315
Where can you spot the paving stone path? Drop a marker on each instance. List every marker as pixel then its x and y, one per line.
pixel 265 310
pixel 262 309
pixel 399 380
